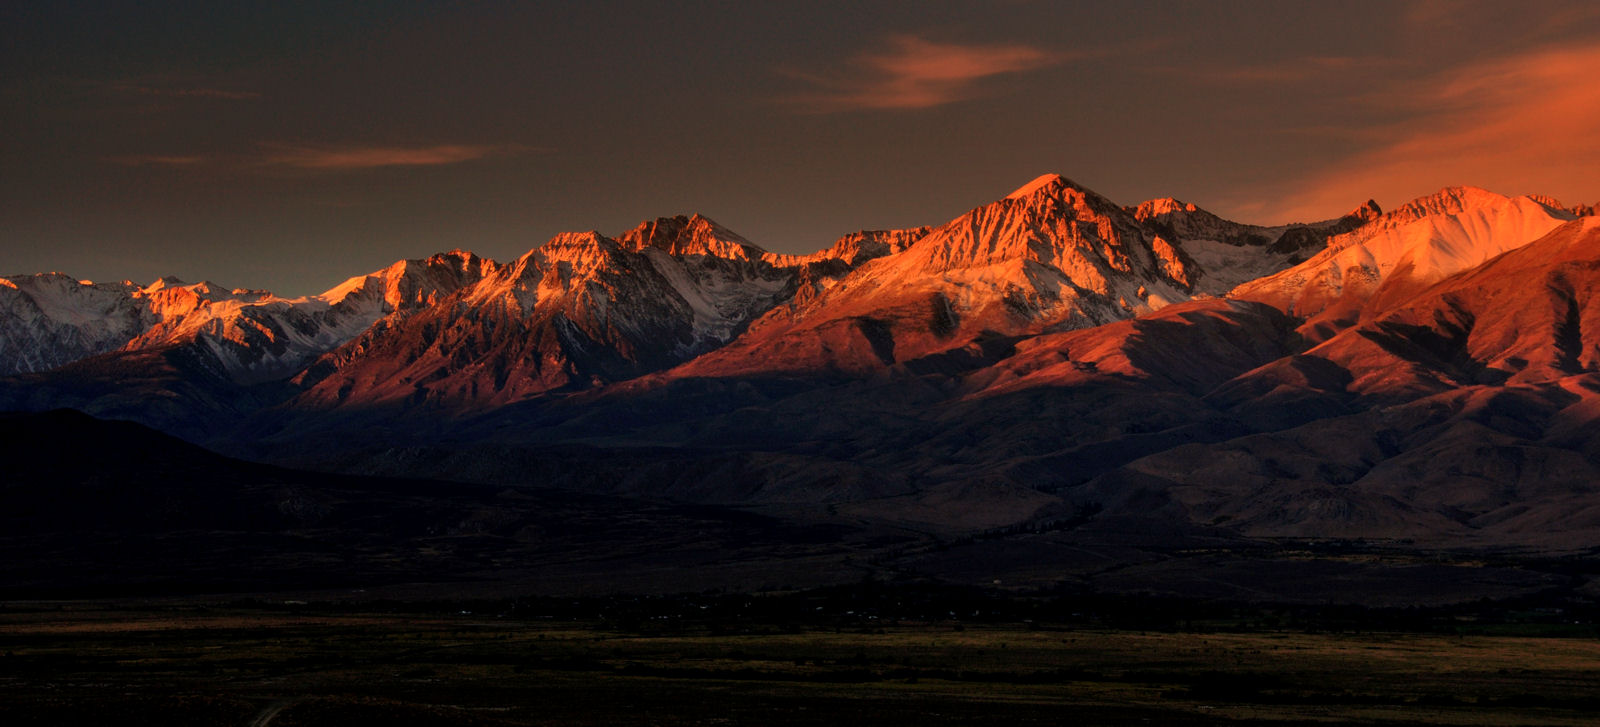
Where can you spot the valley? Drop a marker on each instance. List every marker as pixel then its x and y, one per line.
pixel 832 657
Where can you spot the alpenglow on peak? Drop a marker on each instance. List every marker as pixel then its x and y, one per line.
pixel 1039 182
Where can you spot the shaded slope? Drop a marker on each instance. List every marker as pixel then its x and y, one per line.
pixel 1530 315
pixel 51 319
pixel 181 390
pixel 1469 415
pixel 990 441
pixel 92 507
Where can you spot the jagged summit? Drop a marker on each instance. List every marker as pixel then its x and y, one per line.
pixel 408 284
pixel 579 310
pixel 574 247
pixel 1053 221
pixel 854 249
pixel 1186 221
pixel 206 287
pixel 1556 205
pixel 242 333
pixel 1052 255
pixel 165 281
pixel 1152 208
pixel 1550 202
pixel 1040 182
pixel 1466 221
pixel 1446 201
pixel 692 235
pixel 1368 211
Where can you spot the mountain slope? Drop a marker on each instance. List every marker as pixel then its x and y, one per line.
pixel 1400 252
pixel 1470 412
pixel 259 337
pixel 579 310
pixel 1050 255
pixel 1228 253
pixel 1465 416
pixel 946 446
pixel 1527 316
pixel 50 319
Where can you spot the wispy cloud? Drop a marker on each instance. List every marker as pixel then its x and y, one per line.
pixel 914 73
pixel 340 158
pixel 1516 124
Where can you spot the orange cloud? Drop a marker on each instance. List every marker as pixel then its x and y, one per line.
pixel 913 73
pixel 1517 124
pixel 328 158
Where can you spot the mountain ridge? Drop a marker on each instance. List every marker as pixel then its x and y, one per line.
pixel 1047 357
pixel 161 313
pixel 1409 247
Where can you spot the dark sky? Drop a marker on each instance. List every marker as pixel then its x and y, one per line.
pixel 288 145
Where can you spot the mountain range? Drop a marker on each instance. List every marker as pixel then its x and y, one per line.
pixel 1049 360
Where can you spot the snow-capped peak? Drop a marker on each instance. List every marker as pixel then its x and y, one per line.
pixel 1163 206
pixel 50 319
pixel 692 235
pixel 1465 200
pixel 1040 182
pixel 251 334
pixel 1418 243
pixel 409 283
pixel 164 282
pixel 581 249
pixel 1185 221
